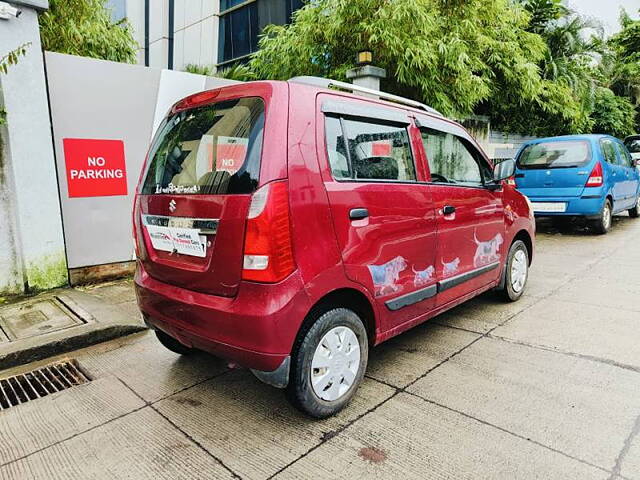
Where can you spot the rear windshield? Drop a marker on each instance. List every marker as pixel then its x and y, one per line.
pixel 633 144
pixel 213 149
pixel 558 154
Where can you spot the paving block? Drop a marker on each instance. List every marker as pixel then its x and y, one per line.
pixel 583 408
pixel 409 438
pixel 251 427
pixel 141 445
pixel 630 466
pixel 485 312
pixel 27 428
pixel 151 370
pixel 403 359
pixel 599 332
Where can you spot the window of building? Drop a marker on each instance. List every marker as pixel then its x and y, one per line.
pixel 241 21
pixel 372 151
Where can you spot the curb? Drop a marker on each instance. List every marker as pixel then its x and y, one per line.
pixel 96 333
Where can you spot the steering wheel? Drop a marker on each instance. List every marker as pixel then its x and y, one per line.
pixel 436 177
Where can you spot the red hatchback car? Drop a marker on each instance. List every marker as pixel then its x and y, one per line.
pixel 289 226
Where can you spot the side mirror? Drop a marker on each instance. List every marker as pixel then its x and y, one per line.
pixel 504 170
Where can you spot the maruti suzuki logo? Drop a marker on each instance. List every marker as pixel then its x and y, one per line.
pixel 172 206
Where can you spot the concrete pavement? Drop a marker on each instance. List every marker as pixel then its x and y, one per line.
pixel 545 388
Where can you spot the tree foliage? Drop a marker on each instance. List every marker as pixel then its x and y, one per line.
pixel 531 65
pixel 236 72
pixel 622 65
pixel 451 54
pixel 85 28
pixel 612 114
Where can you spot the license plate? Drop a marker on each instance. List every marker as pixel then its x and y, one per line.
pixel 554 207
pixel 185 241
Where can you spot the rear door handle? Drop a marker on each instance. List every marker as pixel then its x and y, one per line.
pixel 448 210
pixel 358 213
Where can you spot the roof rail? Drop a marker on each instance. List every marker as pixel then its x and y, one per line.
pixel 328 83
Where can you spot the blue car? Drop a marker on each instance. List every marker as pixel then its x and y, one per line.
pixel 590 176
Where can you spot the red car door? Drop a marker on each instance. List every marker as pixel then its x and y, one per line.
pixel 383 217
pixel 469 214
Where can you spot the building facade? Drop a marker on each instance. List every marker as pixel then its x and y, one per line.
pixel 175 33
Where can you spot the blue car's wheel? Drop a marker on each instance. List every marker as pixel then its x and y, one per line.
pixel 603 224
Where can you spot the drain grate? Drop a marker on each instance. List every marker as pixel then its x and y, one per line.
pixel 39 383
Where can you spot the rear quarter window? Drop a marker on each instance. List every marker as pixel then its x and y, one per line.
pixel 557 154
pixel 213 149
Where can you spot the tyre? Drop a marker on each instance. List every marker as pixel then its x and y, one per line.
pixel 516 271
pixel 172 344
pixel 603 224
pixel 328 363
pixel 635 211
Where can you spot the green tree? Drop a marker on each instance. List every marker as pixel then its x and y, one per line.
pixel 236 72
pixel 568 72
pixel 85 28
pixel 612 114
pixel 621 65
pixel 451 54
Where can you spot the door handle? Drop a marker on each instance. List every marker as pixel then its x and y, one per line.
pixel 358 213
pixel 448 210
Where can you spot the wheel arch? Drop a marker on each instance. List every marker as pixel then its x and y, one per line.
pixel 346 297
pixel 527 240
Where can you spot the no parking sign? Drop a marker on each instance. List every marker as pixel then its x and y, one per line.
pixel 95 168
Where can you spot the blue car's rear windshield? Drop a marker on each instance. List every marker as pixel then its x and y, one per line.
pixel 556 154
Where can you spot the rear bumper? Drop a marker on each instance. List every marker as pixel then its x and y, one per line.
pixel 255 329
pixel 587 205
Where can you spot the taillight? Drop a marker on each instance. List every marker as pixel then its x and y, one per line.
pixel 595 179
pixel 137 231
pixel 268 253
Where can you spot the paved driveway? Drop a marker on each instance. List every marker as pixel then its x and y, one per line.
pixel 548 387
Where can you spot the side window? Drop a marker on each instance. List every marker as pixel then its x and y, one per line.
pixel 623 155
pixel 609 151
pixel 365 150
pixel 452 161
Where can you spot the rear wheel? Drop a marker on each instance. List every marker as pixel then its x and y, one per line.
pixel 172 344
pixel 603 224
pixel 635 211
pixel 328 363
pixel 517 271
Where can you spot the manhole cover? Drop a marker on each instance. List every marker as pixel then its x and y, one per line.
pixel 39 383
pixel 36 318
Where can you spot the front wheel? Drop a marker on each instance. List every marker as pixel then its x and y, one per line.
pixel 516 272
pixel 635 211
pixel 603 224
pixel 328 363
